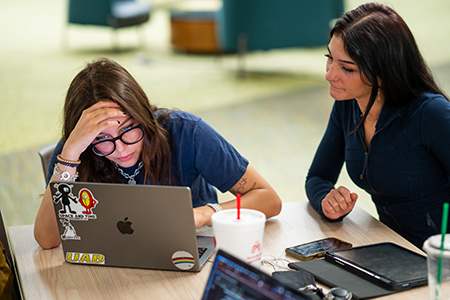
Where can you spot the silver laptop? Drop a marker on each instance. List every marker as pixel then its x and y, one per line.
pixel 137 226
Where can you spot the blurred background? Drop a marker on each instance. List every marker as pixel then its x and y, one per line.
pixel 272 105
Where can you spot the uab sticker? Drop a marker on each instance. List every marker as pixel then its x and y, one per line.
pixel 85 258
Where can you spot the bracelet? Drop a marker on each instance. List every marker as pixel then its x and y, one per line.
pixel 215 206
pixel 69 163
pixel 65 176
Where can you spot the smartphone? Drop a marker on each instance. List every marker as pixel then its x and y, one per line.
pixel 317 249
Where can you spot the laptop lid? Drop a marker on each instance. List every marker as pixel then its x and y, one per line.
pixel 232 278
pixel 138 226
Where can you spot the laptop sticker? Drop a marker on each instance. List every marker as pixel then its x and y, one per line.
pixel 64 195
pixel 183 260
pixel 87 201
pixel 85 258
pixel 72 207
pixel 69 231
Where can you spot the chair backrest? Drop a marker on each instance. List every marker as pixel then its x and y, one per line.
pixel 117 13
pixel 270 24
pixel 46 153
pixel 89 12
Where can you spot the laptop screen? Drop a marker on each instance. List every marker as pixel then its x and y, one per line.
pixel 231 278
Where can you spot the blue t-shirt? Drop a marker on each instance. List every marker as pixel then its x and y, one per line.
pixel 405 169
pixel 201 158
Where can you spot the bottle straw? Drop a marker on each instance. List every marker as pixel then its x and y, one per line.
pixel 238 198
pixel 441 254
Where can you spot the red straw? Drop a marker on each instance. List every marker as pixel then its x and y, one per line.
pixel 238 197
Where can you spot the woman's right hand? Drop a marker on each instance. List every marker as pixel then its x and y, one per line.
pixel 338 203
pixel 93 120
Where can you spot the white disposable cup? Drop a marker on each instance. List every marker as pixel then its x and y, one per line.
pixel 432 247
pixel 242 238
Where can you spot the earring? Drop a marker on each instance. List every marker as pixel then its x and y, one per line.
pixel 378 95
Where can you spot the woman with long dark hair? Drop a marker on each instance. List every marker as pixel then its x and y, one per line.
pixel 390 124
pixel 112 134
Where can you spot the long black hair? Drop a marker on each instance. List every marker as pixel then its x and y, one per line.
pixel 383 47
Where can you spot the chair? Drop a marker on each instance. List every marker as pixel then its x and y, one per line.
pixel 109 13
pixel 7 251
pixel 249 25
pixel 46 153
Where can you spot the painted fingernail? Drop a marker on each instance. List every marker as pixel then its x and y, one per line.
pixel 124 112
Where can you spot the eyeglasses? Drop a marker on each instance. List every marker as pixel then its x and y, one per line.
pixel 128 137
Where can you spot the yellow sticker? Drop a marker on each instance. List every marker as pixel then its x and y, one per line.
pixel 85 258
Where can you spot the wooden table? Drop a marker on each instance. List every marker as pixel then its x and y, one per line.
pixel 43 274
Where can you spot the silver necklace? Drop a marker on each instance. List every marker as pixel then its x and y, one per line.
pixel 128 176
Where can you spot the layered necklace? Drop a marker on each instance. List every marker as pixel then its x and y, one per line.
pixel 128 176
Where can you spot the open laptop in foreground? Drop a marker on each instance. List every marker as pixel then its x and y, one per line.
pixel 137 226
pixel 232 278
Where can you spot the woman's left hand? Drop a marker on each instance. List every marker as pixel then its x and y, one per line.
pixel 202 216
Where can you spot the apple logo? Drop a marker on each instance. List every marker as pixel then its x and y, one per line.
pixel 125 226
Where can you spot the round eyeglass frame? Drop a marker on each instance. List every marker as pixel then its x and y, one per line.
pixel 118 138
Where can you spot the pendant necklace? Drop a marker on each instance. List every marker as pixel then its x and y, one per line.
pixel 128 176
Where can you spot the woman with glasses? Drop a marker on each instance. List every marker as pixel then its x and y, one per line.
pixel 112 134
pixel 390 124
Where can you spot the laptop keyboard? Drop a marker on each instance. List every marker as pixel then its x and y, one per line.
pixel 201 251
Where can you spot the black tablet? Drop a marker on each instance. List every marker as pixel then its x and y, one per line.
pixel 385 264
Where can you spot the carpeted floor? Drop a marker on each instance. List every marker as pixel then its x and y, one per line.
pixel 275 116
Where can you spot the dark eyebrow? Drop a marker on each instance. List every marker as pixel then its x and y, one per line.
pixel 341 60
pixel 347 62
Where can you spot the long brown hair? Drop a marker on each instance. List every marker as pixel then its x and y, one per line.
pixel 383 47
pixel 104 80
